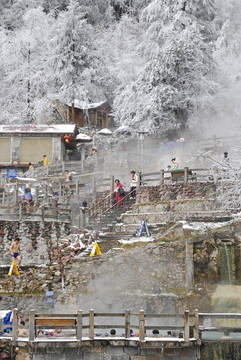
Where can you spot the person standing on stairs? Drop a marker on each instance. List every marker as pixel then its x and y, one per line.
pixel 133 184
pixel 120 192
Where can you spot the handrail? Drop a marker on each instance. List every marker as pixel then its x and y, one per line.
pixel 187 325
pixel 111 207
pixel 99 202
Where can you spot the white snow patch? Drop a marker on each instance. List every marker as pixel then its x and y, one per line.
pixel 83 137
pixel 137 239
pixel 202 225
pixel 105 131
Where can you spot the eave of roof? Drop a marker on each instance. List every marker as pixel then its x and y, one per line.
pixel 38 129
pixel 83 105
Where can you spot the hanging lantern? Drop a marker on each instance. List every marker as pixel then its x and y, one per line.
pixel 67 139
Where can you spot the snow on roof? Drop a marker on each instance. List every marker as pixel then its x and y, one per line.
pixel 83 137
pixel 105 132
pixel 83 105
pixel 38 129
pixel 123 129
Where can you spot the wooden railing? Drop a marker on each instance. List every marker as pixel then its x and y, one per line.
pixel 93 325
pixel 184 176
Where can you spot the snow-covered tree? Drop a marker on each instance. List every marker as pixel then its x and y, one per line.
pixel 227 108
pixel 23 59
pixel 74 64
pixel 178 72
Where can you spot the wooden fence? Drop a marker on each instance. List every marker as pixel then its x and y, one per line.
pixel 129 326
pixel 93 325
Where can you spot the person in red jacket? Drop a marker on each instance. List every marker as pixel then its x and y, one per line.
pixel 119 191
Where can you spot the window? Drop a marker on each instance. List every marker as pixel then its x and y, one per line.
pixel 32 150
pixel 5 150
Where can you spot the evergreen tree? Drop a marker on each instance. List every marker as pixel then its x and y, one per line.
pixel 178 73
pixel 76 70
pixel 227 108
pixel 23 58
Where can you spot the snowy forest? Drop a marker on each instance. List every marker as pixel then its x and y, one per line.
pixel 162 65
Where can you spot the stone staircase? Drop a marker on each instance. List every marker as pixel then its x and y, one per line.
pixel 109 227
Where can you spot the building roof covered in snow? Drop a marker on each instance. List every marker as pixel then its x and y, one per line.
pixel 38 129
pixel 84 105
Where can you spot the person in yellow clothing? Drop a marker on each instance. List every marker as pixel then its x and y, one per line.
pixel 30 166
pixel 45 160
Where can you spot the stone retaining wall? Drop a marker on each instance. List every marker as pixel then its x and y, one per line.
pixel 38 240
pixel 176 192
pixel 108 350
pixel 166 211
pixel 135 278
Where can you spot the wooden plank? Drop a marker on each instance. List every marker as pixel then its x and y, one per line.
pixel 40 327
pixel 15 325
pixel 196 324
pixel 164 327
pixel 142 325
pixel 148 174
pixel 186 325
pixel 92 324
pixel 104 326
pixel 79 325
pixel 31 325
pixel 110 314
pixel 55 322
pixel 163 316
pixel 127 323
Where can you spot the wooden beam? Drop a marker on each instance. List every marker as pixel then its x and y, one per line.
pixel 62 322
pixel 196 324
pixel 142 325
pixel 92 325
pixel 79 325
pixel 31 325
pixel 186 325
pixel 127 323
pixel 15 325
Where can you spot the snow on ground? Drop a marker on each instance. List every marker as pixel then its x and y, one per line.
pixel 137 239
pixel 197 225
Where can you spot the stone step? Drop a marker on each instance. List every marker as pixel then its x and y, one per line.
pixel 116 236
pixel 133 228
pixel 164 217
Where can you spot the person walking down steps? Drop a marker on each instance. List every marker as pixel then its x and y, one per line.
pixel 120 192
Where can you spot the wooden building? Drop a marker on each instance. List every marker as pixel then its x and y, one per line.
pixel 21 144
pixel 95 114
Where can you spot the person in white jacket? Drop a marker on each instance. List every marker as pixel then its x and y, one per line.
pixel 133 184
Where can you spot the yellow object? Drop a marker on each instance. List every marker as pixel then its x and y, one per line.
pixel 46 161
pixel 13 266
pixel 95 249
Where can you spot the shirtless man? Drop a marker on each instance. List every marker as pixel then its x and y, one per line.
pixel 15 251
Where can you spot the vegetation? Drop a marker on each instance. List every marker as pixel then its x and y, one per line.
pixel 162 65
